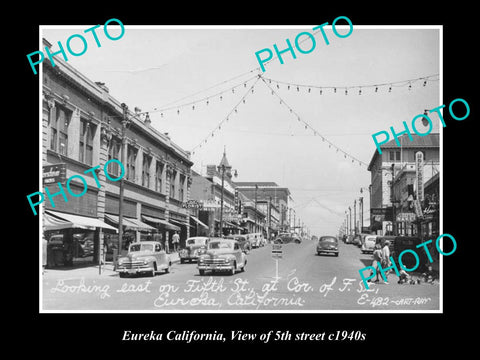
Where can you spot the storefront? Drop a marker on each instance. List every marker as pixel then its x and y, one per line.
pixel 74 240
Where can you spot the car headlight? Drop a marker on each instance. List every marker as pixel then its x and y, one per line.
pixel 121 261
pixel 145 262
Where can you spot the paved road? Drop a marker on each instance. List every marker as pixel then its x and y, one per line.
pixel 305 282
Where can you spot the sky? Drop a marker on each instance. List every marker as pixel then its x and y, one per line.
pixel 158 69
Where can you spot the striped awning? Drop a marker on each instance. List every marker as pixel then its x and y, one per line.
pixel 55 220
pixel 161 222
pixel 130 223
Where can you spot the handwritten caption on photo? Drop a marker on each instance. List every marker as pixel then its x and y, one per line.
pixel 215 293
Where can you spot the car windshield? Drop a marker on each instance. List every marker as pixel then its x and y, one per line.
pixel 141 247
pixel 196 242
pixel 328 239
pixel 220 245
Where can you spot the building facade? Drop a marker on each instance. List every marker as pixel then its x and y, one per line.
pixel 83 126
pixel 395 181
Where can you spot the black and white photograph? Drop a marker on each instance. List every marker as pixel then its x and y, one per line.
pixel 272 183
pixel 262 190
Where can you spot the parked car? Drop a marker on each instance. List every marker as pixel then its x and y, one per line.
pixel 327 245
pixel 256 240
pixel 146 257
pixel 222 255
pixel 243 241
pixel 195 246
pixel 314 238
pixel 349 239
pixel 368 245
pixel 286 238
pixel 357 240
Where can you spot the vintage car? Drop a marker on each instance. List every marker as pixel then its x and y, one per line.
pixel 327 245
pixel 256 240
pixel 286 238
pixel 243 241
pixel 195 246
pixel 145 257
pixel 222 255
pixel 368 244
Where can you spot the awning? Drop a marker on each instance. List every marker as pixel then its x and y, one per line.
pixel 52 223
pixel 198 222
pixel 130 223
pixel 233 225
pixel 75 221
pixel 162 222
pixel 181 223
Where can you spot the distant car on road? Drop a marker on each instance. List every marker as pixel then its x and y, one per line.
pixel 327 245
pixel 256 240
pixel 368 245
pixel 243 241
pixel 195 246
pixel 222 255
pixel 146 257
pixel 349 239
pixel 287 238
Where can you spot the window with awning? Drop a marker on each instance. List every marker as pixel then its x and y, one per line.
pixel 130 223
pixel 161 222
pixel 54 220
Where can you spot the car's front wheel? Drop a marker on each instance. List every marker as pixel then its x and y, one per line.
pixel 167 270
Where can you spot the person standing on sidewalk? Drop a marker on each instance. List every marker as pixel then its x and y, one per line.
pixel 377 259
pixel 386 259
pixel 175 241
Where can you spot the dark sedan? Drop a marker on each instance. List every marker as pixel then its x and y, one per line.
pixel 287 238
pixel 327 245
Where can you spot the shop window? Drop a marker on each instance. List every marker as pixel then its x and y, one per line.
pixel 59 130
pixel 87 132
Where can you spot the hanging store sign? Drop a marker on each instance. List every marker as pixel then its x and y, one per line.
pixel 419 174
pixel 408 216
pixel 55 173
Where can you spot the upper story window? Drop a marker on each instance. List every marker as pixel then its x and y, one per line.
pixel 394 155
pixel 173 179
pixel 147 160
pixel 159 167
pixel 87 132
pixel 131 160
pixel 181 188
pixel 114 153
pixel 59 130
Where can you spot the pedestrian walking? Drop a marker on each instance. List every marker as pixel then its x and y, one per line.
pixel 386 262
pixel 377 259
pixel 175 241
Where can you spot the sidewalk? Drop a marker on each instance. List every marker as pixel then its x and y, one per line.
pixel 91 270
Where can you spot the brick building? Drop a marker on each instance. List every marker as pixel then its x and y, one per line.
pixel 82 128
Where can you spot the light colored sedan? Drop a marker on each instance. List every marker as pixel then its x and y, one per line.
pixel 146 257
pixel 222 255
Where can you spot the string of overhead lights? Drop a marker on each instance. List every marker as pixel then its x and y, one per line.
pixel 308 126
pixel 353 89
pixel 234 110
pixel 205 100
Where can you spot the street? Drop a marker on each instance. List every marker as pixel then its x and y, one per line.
pixel 305 282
